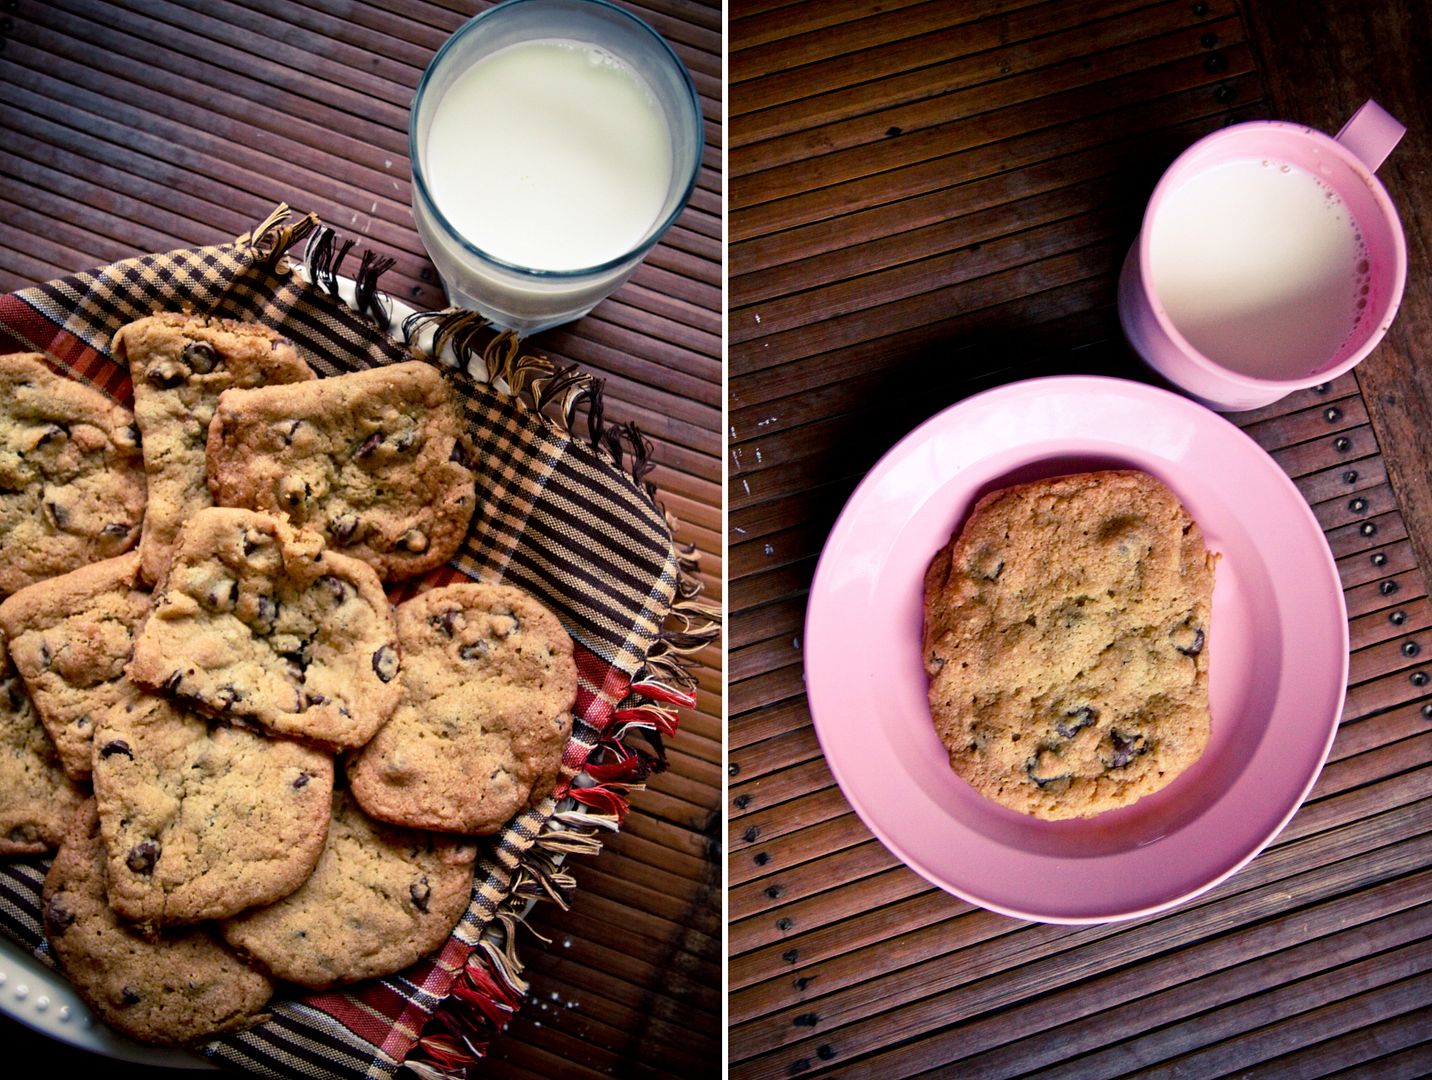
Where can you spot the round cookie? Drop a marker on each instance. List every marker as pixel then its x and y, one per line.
pixel 380 898
pixel 256 622
pixel 1065 640
pixel 70 637
pixel 37 800
pixel 373 460
pixel 71 479
pixel 202 820
pixel 489 682
pixel 171 988
pixel 179 365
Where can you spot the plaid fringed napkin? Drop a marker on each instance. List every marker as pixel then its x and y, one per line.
pixel 566 515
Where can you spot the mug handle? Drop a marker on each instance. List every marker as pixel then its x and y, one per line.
pixel 1371 134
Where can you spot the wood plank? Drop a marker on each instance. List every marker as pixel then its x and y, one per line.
pixel 1252 967
pixel 853 1012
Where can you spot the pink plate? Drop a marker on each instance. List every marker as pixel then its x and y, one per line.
pixel 1278 653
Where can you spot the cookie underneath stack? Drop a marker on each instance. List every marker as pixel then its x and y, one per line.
pixel 1066 643
pixel 205 682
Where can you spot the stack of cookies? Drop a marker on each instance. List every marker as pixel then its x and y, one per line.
pixel 256 770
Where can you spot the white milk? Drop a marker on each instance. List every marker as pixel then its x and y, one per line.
pixel 552 155
pixel 1260 267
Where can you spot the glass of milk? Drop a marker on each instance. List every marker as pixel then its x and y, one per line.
pixel 553 142
pixel 1271 259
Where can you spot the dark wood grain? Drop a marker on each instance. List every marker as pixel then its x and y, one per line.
pixel 129 126
pixel 930 199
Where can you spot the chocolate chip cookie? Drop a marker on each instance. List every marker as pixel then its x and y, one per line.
pixel 70 638
pixel 256 622
pixel 201 819
pixel 488 687
pixel 1066 643
pixel 71 478
pixel 174 987
pixel 380 898
pixel 373 460
pixel 37 800
pixel 179 365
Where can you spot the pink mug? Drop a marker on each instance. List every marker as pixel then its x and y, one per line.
pixel 1270 259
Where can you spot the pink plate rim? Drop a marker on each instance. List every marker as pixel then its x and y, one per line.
pixel 1278 653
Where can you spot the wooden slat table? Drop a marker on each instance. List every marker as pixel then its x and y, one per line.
pixel 129 126
pixel 931 198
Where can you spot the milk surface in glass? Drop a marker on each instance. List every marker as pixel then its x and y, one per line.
pixel 551 155
pixel 1261 267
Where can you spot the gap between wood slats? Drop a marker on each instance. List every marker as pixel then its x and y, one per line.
pixel 980 80
pixel 949 359
pixel 559 1047
pixel 570 964
pixel 222 37
pixel 797 868
pixel 1393 1049
pixel 936 59
pixel 760 32
pixel 810 211
pixel 1156 987
pixel 201 135
pixel 605 919
pixel 770 721
pixel 803 939
pixel 782 751
pixel 284 111
pixel 1332 1015
pixel 687 778
pixel 931 364
pixel 1006 203
pixel 628 977
pixel 929 992
pixel 1020 265
pixel 1179 1000
pixel 1364 757
pixel 611 346
pixel 628 882
pixel 775 170
pixel 241 54
pixel 608 1035
pixel 999 242
pixel 394 28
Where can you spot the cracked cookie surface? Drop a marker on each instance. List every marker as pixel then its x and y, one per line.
pixel 173 988
pixel 1066 643
pixel 381 898
pixel 179 365
pixel 488 687
pixel 256 622
pixel 72 488
pixel 37 799
pixel 70 639
pixel 201 820
pixel 373 460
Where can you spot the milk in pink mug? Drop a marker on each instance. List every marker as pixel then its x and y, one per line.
pixel 1270 259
